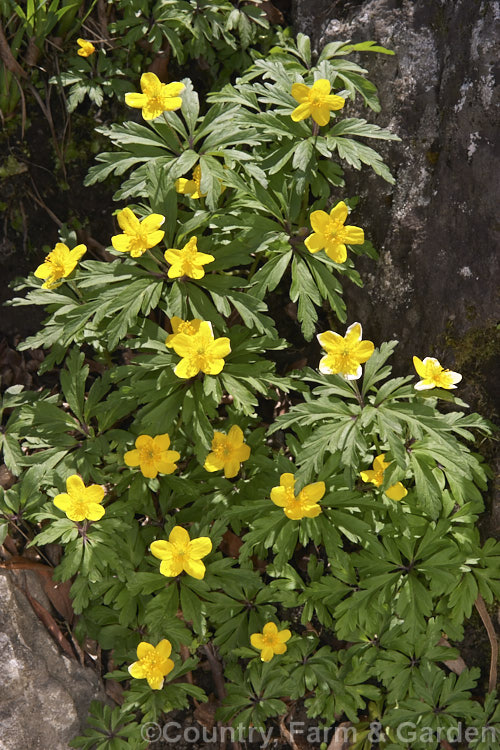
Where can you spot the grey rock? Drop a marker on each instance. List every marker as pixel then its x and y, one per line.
pixel 435 287
pixel 44 695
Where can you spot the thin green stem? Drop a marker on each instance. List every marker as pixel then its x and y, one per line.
pixel 75 289
pixel 162 266
pixel 357 392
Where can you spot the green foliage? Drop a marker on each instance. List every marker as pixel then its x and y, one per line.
pixel 368 584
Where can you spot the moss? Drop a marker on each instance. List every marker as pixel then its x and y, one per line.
pixel 475 353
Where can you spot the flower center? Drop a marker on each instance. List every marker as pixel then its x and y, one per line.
pixel 58 269
pixel 290 496
pixel 223 451
pixel 316 100
pixel 80 507
pixel 270 640
pixel 189 254
pixel 149 453
pixel 334 231
pixel 187 328
pixel 181 552
pixel 151 662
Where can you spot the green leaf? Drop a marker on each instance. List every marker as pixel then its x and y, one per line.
pixel 73 382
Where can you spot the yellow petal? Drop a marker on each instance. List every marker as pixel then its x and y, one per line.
pixel 132 458
pixel 267 653
pixel 155 681
pixel 214 367
pixel 195 569
pixel 279 648
pixel 164 648
pixel 336 251
pixel 322 87
pixel 200 547
pixel 172 103
pixel 137 670
pixel 94 512
pixel 354 235
pixel 278 496
pixel 300 92
pixel 161 549
pixel 122 242
pixel 138 101
pixel 128 221
pixel 179 536
pixel 314 242
pixel 162 441
pixel 320 221
pixel 396 492
pixel 152 223
pixel 257 640
pixel 145 649
pixel 235 436
pixel 171 568
pixel 94 494
pixel 334 102
pixel 313 492
pixel 186 368
pixel 353 334
pixel 148 468
pixel 213 463
pixel 220 347
pixel 185 187
pixel 364 350
pixel 150 84
pixel 321 115
pixel 379 463
pixel 284 636
pixel 231 468
pixel 77 252
pixel 301 112
pixel 339 212
pixel 167 465
pixel 419 367
pixel 270 629
pixel 174 88
pixel 62 501
pixel 43 271
pixel 154 238
pixel 75 485
pixel 287 480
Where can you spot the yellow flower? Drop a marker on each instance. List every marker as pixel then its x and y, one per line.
pixel 156 97
pixel 86 48
pixel 200 352
pixel 303 505
pixel 228 452
pixel 80 502
pixel 376 476
pixel 271 641
pixel 191 187
pixel 330 234
pixel 315 102
pixel 344 355
pixel 188 261
pixel 58 264
pixel 182 553
pixel 189 327
pixel 433 375
pixel 152 455
pixel 138 236
pixel 153 663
